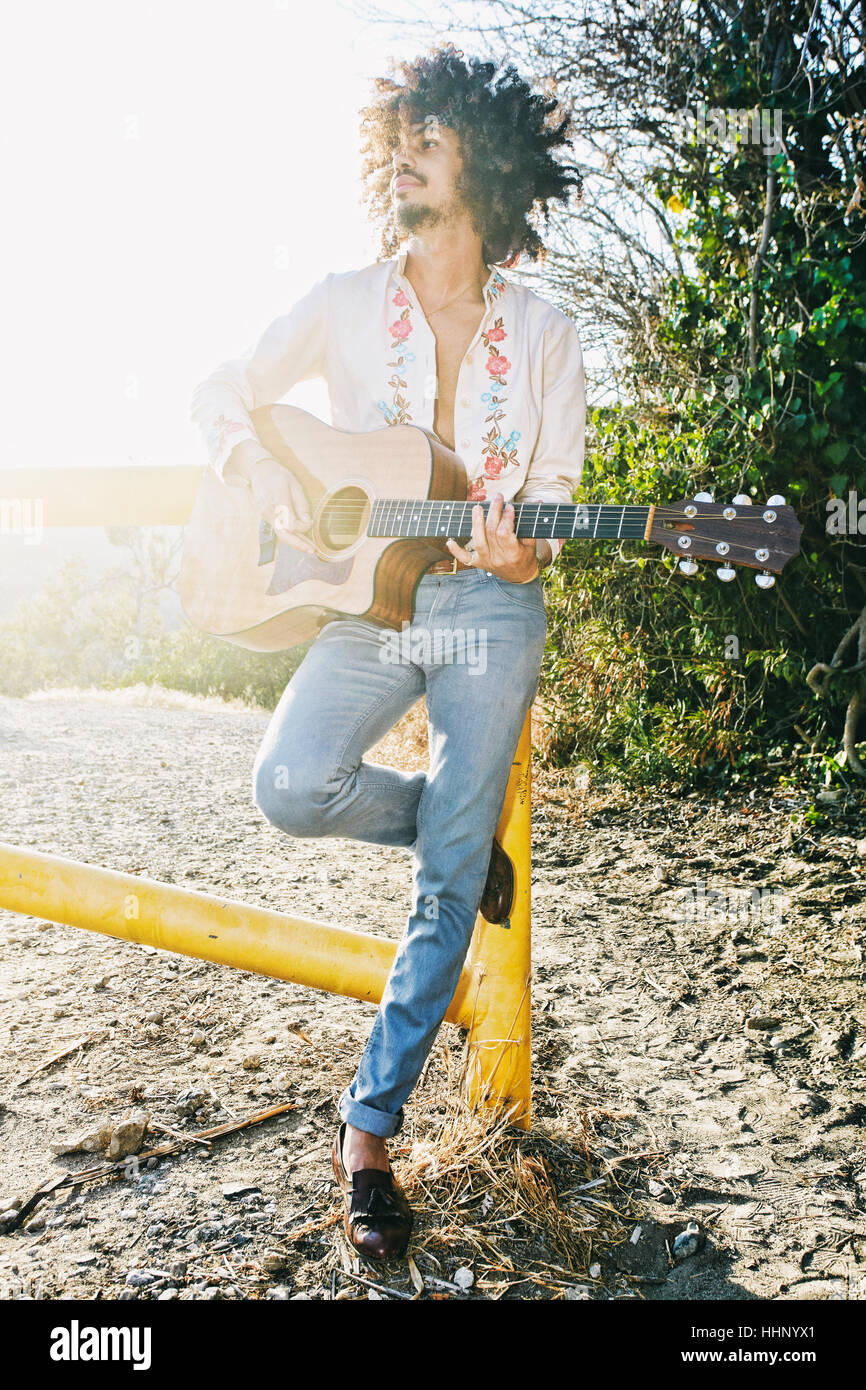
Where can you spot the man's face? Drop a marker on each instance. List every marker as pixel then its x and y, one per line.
pixel 427 166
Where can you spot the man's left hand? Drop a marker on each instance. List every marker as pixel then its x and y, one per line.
pixel 497 548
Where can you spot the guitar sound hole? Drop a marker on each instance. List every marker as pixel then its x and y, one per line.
pixel 344 518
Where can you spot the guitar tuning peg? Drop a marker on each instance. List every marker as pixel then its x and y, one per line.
pixel 776 500
pixel 765 580
pixel 726 574
pixel 742 500
pixel 688 567
pixel 703 497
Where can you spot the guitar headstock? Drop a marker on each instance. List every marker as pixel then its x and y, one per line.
pixel 739 533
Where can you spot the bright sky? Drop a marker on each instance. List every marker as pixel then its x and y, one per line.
pixel 176 174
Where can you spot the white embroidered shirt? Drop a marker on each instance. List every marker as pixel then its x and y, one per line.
pixel 519 407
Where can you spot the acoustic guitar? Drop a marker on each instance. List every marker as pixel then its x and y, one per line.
pixel 383 504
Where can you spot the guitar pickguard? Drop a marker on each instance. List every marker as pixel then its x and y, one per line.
pixel 295 566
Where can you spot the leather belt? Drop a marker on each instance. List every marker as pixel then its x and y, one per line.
pixel 449 566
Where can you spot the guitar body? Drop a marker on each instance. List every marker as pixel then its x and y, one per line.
pixel 271 599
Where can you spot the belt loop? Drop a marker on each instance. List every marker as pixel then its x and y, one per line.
pixel 453 564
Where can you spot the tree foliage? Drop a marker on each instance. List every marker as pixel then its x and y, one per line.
pixel 720 286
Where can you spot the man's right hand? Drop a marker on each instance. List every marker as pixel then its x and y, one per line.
pixel 278 494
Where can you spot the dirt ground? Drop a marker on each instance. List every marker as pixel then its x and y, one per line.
pixel 696 1057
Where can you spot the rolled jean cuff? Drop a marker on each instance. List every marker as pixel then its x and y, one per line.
pixel 365 1117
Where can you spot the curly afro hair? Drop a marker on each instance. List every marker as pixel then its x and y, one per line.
pixel 507 139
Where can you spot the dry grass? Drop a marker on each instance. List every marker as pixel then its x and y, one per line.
pixel 405 746
pixel 511 1204
pixel 528 1212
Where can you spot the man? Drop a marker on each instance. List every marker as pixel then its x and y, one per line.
pixel 456 159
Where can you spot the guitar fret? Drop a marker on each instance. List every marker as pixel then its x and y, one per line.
pixel 597 520
pixel 621 520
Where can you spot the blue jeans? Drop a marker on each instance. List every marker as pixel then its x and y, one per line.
pixel 474 648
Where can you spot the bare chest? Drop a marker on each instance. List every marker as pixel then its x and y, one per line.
pixel 453 333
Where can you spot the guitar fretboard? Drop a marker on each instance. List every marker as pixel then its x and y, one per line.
pixel 411 516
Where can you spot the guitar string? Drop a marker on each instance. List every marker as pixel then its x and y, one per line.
pixel 664 509
pixel 612 508
pixel 606 511
pixel 603 509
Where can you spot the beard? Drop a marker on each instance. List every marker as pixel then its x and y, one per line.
pixel 412 216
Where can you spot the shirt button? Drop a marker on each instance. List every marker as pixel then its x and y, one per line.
pixel 469 360
pixel 465 401
pixel 464 443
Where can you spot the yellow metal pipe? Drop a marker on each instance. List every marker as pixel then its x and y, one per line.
pixel 500 966
pixel 138 495
pixel 199 924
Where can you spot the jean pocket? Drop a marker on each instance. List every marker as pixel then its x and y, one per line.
pixel 529 595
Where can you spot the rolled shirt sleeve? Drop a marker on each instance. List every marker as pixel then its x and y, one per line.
pixel 291 349
pixel 556 467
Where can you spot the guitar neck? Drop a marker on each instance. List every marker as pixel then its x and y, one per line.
pixel 410 516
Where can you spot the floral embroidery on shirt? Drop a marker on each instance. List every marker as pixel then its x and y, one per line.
pixel 397 413
pixel 496 286
pixel 499 452
pixel 216 435
pixel 497 365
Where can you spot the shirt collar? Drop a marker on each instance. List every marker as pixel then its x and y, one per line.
pixel 493 285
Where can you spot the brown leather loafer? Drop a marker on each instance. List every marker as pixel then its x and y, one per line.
pixel 498 892
pixel 377 1218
